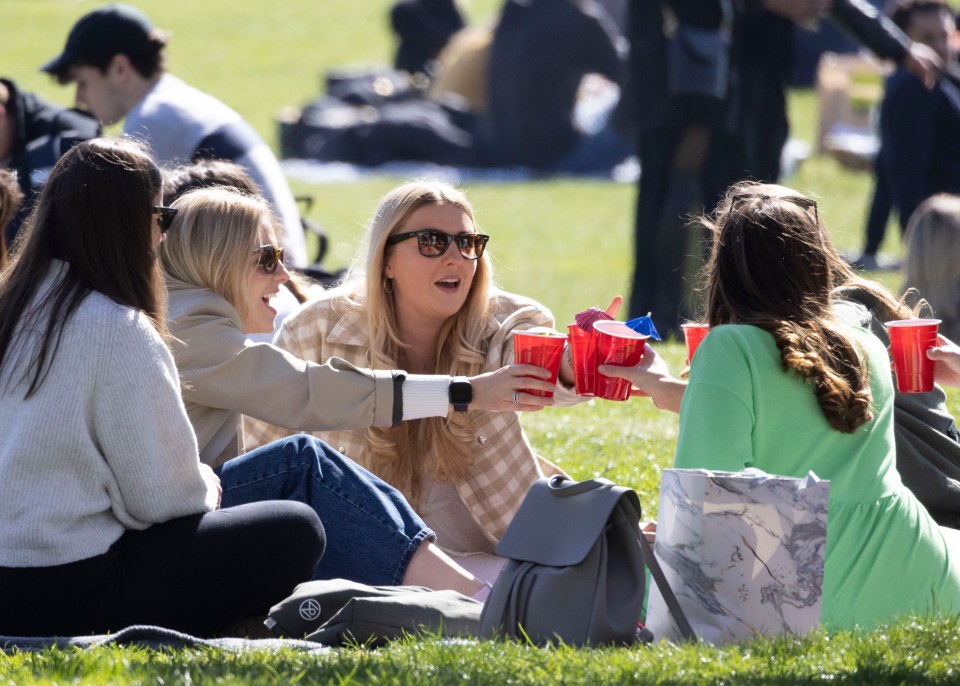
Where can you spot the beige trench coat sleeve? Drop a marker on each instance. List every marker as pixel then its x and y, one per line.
pixel 220 369
pixel 259 431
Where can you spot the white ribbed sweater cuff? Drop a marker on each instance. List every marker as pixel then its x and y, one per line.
pixel 425 396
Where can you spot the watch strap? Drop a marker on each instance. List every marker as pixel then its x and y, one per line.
pixel 398 378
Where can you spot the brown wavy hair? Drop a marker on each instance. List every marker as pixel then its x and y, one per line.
pixel 772 265
pixel 439 446
pixel 10 198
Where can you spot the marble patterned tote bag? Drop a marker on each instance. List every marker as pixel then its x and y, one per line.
pixel 743 551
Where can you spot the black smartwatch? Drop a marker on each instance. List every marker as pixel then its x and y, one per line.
pixel 461 394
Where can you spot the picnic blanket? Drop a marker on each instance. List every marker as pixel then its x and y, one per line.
pixel 313 171
pixel 155 637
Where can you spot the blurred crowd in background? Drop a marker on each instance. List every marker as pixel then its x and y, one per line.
pixel 693 91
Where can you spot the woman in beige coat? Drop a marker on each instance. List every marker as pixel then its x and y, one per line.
pixel 223 267
pixel 420 296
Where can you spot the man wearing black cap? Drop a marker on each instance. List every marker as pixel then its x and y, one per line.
pixel 114 54
pixel 33 136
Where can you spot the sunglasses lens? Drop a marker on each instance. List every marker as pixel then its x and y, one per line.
pixel 270 258
pixel 163 220
pixel 433 243
pixel 471 246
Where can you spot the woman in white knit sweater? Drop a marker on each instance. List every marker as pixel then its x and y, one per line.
pixel 107 516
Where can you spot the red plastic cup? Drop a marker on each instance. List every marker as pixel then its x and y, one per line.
pixel 583 350
pixel 541 349
pixel 617 344
pixel 909 341
pixel 693 334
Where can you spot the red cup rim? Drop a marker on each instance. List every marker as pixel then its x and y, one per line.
pixel 618 329
pixel 900 323
pixel 540 334
pixel 695 325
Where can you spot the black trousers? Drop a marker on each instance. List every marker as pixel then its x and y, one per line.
pixel 665 238
pixel 197 574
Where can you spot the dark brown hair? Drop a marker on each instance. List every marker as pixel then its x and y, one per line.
pixel 95 214
pixel 772 265
pixel 205 174
pixel 10 198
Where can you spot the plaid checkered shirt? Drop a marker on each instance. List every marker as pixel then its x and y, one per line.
pixel 505 464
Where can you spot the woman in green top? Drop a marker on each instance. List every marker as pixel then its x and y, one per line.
pixel 781 384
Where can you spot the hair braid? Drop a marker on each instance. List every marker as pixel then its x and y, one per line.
pixel 828 361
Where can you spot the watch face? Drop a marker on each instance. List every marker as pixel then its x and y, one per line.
pixel 461 392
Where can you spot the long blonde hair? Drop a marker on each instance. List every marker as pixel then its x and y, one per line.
pixel 210 242
pixel 931 266
pixel 438 446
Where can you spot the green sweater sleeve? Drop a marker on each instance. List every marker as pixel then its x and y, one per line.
pixel 717 417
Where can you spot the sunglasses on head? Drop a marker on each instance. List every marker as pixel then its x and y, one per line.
pixel 803 203
pixel 270 257
pixel 165 216
pixel 434 243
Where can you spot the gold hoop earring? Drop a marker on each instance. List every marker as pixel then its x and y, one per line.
pixel 388 285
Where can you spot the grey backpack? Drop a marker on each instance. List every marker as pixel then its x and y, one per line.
pixel 576 567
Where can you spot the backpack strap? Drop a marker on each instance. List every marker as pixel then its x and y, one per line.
pixel 672 604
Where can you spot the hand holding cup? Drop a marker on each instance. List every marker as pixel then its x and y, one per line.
pixel 909 341
pixel 540 347
pixel 505 390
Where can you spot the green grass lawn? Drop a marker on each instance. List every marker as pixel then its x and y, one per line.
pixel 566 243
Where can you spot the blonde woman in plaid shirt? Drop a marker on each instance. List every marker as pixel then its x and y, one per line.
pixel 222 268
pixel 420 297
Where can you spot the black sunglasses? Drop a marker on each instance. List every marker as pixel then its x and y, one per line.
pixel 798 200
pixel 165 216
pixel 270 257
pixel 434 243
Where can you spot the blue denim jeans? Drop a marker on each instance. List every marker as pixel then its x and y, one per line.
pixel 372 533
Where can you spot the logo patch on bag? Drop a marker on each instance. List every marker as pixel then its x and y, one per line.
pixel 309 609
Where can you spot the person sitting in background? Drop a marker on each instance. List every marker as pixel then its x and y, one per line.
pixel 423 28
pixel 33 135
pixel 931 267
pixel 107 516
pixel 10 199
pixel 919 128
pixel 223 267
pixel 782 384
pixel 420 296
pixel 115 56
pixel 541 52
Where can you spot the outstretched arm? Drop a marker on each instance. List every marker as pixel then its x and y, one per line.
pixel 652 378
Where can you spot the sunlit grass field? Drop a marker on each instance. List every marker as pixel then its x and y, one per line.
pixel 565 242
